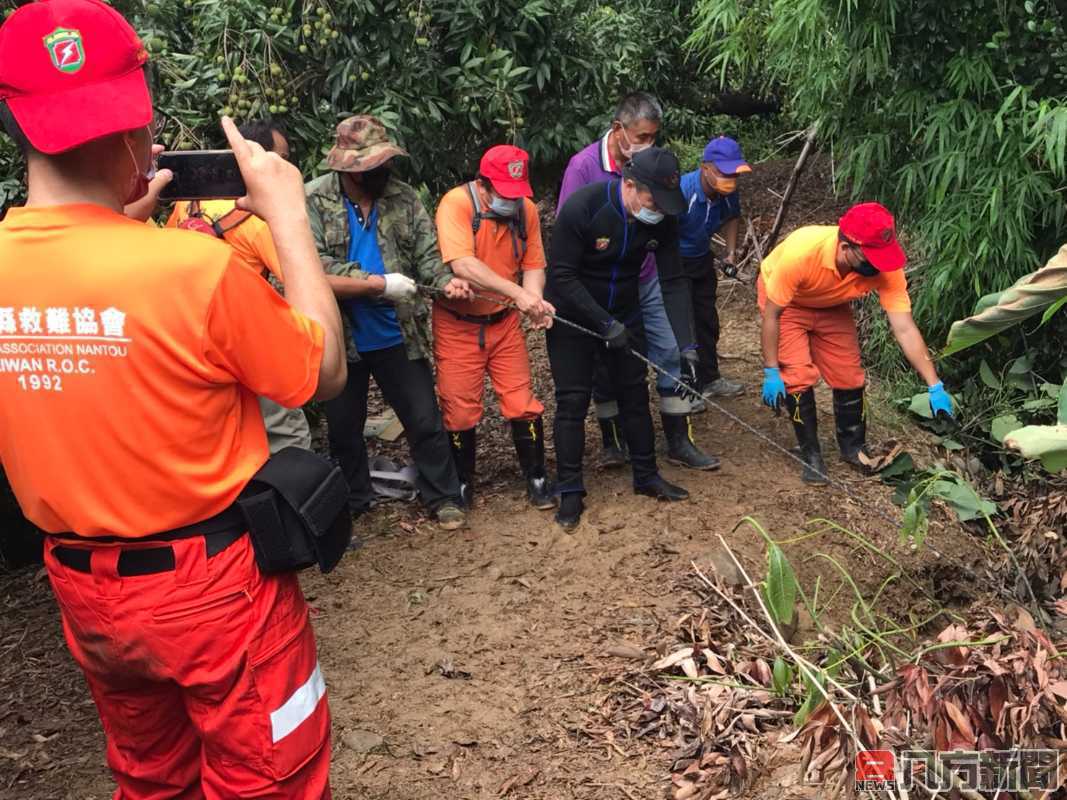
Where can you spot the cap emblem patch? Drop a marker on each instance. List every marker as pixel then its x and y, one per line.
pixel 65 47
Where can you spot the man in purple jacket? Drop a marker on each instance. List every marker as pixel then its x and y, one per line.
pixel 665 310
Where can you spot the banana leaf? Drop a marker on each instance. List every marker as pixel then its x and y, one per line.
pixel 1038 292
pixel 1047 442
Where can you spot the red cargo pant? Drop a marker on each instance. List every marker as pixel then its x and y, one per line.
pixel 814 342
pixel 464 352
pixel 205 677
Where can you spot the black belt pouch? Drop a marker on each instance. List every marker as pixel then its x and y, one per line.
pixel 296 508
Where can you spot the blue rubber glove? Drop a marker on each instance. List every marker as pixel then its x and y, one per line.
pixel 940 400
pixel 773 387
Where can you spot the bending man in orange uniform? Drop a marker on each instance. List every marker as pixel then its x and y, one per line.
pixel 489 234
pixel 806 285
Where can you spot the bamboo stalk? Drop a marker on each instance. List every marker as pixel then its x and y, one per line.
pixel 794 179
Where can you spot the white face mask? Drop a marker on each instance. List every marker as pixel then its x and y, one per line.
pixel 627 148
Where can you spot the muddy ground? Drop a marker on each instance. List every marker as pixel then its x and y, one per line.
pixel 480 657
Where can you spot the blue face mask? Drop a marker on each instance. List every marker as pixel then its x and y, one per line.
pixel 505 208
pixel 648 216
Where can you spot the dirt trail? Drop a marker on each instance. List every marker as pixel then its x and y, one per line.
pixel 480 656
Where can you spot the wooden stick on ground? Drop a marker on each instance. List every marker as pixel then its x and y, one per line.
pixel 798 168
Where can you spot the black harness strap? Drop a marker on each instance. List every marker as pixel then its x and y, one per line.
pixel 516 225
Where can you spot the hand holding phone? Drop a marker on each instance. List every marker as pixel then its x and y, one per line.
pixel 201 175
pixel 274 188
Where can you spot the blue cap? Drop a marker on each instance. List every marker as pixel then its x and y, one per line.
pixel 726 155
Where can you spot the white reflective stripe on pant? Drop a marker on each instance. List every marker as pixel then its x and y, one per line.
pixel 300 705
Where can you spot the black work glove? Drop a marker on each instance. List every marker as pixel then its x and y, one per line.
pixel 689 375
pixel 616 337
pixel 729 267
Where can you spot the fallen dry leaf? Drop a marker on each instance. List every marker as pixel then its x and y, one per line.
pixel 522 779
pixel 625 651
pixel 675 658
pixel 961 723
pixel 1059 688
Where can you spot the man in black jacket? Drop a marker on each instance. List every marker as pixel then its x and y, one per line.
pixel 602 236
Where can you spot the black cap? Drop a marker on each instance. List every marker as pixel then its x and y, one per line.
pixel 658 169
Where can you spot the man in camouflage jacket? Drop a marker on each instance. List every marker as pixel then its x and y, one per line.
pixel 376 241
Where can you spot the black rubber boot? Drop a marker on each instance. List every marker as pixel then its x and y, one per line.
pixel 570 510
pixel 850 417
pixel 801 409
pixel 614 453
pixel 464 452
pixel 681 449
pixel 529 438
pixel 662 490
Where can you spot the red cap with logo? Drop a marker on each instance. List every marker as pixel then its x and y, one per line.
pixel 871 226
pixel 71 72
pixel 508 169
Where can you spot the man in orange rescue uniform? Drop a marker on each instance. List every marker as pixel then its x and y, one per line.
pixel 133 357
pixel 489 234
pixel 805 288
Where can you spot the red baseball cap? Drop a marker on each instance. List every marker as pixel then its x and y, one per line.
pixel 871 226
pixel 508 169
pixel 71 72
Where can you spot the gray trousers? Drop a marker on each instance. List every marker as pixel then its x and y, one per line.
pixel 285 426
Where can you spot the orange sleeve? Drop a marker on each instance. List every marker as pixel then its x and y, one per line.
pixel 177 214
pixel 893 291
pixel 262 243
pixel 253 334
pixel 455 236
pixel 535 248
pixel 783 271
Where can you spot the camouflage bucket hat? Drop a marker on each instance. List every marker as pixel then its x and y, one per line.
pixel 361 145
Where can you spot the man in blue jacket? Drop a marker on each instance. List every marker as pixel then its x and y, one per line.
pixel 713 205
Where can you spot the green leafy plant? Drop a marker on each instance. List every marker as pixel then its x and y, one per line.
pixel 955 116
pixel 866 643
pixel 1045 442
pixel 448 78
pixel 780 588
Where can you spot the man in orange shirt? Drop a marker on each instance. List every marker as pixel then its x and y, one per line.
pixel 130 362
pixel 490 234
pixel 806 285
pixel 250 238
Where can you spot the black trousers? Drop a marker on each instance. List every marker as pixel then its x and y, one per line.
pixel 408 387
pixel 704 287
pixel 573 357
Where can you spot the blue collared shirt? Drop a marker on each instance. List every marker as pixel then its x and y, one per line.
pixel 703 217
pixel 374 322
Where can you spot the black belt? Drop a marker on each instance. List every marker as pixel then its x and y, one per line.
pixel 219 532
pixel 483 320
pixel 142 561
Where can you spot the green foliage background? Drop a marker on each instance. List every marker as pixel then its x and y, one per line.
pixel 449 77
pixel 952 114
